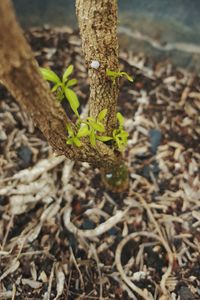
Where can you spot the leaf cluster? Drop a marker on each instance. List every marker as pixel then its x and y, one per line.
pixel 62 86
pixel 90 127
pixel 94 129
pixel 114 75
pixel 120 136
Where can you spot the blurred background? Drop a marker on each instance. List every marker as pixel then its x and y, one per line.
pixel 162 29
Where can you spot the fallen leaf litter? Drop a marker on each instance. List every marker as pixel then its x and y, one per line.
pixel 62 235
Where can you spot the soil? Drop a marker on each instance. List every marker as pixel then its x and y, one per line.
pixel 62 234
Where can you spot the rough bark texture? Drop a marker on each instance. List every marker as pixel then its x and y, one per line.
pixel 19 73
pixel 98 27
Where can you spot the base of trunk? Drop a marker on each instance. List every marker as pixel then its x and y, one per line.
pixel 116 178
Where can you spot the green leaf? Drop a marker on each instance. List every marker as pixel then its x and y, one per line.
pixel 92 138
pixel 120 119
pixel 124 134
pixel 97 126
pixel 76 141
pixel 115 132
pixel 69 141
pixel 127 76
pixel 69 130
pixel 73 141
pixel 102 114
pixel 91 119
pixel 104 138
pixel 112 73
pixel 49 75
pixel 83 131
pixel 67 72
pixel 56 86
pixel 73 100
pixel 117 141
pixel 71 82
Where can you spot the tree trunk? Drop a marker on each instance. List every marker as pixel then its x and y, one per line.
pixel 19 73
pixel 98 27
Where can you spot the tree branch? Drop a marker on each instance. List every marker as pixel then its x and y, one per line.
pixel 19 73
pixel 98 27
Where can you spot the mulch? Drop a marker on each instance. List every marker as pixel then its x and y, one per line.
pixel 62 234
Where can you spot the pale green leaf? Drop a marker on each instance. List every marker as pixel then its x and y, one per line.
pixel 69 130
pixel 49 75
pixel 56 86
pixel 120 119
pixel 67 72
pixel 97 126
pixel 117 141
pixel 115 132
pixel 83 131
pixel 103 138
pixel 73 100
pixel 91 119
pixel 127 76
pixel 69 141
pixel 76 141
pixel 112 73
pixel 102 114
pixel 124 134
pixel 71 82
pixel 92 138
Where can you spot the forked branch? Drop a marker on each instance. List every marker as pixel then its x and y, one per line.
pixel 19 73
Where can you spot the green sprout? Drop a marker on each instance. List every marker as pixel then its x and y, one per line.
pixel 92 128
pixel 95 127
pixel 74 139
pixel 62 87
pixel 114 75
pixel 120 136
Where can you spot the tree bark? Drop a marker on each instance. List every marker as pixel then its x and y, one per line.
pixel 98 27
pixel 19 73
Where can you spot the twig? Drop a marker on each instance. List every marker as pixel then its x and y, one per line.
pixel 92 247
pixel 100 229
pixel 163 241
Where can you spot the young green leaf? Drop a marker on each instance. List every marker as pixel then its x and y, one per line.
pixel 69 141
pixel 92 138
pixel 71 82
pixel 120 119
pixel 49 75
pixel 124 134
pixel 83 131
pixel 117 141
pixel 69 130
pixel 111 73
pixel 56 86
pixel 73 100
pixel 90 119
pixel 127 76
pixel 97 126
pixel 114 133
pixel 67 72
pixel 104 138
pixel 102 114
pixel 77 142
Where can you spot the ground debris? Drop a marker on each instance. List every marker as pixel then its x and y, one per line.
pixel 62 235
